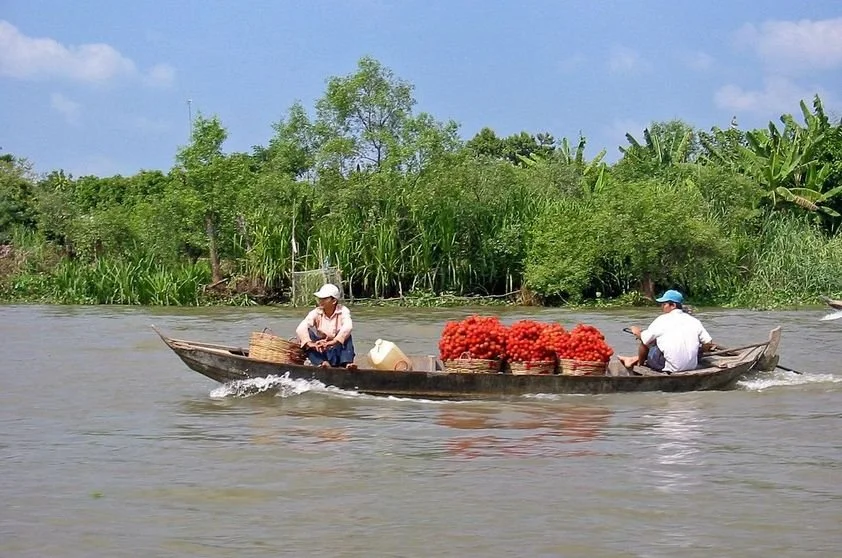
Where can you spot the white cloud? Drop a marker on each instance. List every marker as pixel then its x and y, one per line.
pixel 623 60
pixel 66 107
pixel 779 95
pixel 796 45
pixel 24 57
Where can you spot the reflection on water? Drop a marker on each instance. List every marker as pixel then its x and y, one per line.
pixel 677 434
pixel 532 431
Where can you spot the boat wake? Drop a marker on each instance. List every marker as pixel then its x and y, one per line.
pixel 766 380
pixel 279 386
pixel 832 316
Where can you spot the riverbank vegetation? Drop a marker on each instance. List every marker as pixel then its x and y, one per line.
pixel 407 210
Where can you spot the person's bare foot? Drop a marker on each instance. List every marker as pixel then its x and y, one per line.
pixel 351 366
pixel 628 361
pixel 325 364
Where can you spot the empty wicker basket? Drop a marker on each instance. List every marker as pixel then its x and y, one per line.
pixel 271 348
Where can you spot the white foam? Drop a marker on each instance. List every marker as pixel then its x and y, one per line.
pixel 780 378
pixel 832 316
pixel 284 385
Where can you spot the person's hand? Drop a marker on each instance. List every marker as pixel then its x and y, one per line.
pixel 635 331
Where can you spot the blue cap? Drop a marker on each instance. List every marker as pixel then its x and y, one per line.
pixel 671 296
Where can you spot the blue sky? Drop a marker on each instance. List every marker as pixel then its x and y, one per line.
pixel 101 87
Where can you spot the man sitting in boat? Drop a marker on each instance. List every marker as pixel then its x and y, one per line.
pixel 672 342
pixel 325 334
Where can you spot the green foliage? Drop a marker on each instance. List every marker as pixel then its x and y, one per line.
pixel 792 260
pixel 292 151
pixel 365 124
pixel 405 209
pixel 666 144
pixel 360 118
pixel 206 185
pixel 16 193
pixel 620 236
pixel 126 282
pixel 92 192
pixel 518 148
pixel 791 165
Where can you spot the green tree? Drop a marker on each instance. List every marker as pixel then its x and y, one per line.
pixel 486 143
pixel 292 150
pixel 365 123
pixel 208 182
pixel 16 195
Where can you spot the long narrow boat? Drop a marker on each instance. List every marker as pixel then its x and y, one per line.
pixel 428 379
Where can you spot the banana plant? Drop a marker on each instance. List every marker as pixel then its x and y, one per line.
pixel 786 164
pixel 594 171
pixel 664 144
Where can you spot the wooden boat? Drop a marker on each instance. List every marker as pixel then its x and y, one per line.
pixel 832 302
pixel 429 379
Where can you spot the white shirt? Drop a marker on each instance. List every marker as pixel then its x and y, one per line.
pixel 679 337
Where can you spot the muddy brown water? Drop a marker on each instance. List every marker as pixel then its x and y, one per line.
pixel 110 446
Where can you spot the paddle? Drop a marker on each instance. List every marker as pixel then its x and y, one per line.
pixel 734 350
pixel 785 369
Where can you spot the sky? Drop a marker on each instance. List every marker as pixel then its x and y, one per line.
pixel 109 87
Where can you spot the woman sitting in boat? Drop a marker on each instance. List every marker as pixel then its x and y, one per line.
pixel 325 334
pixel 673 341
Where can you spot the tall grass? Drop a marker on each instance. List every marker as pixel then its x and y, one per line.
pixel 792 261
pixel 140 282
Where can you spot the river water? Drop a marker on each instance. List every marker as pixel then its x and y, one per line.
pixel 110 446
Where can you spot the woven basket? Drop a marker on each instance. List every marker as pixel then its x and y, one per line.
pixel 570 367
pixel 271 348
pixel 472 365
pixel 532 367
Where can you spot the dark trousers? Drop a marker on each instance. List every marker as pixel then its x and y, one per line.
pixel 655 359
pixel 336 356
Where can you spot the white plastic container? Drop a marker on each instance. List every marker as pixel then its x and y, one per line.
pixel 387 356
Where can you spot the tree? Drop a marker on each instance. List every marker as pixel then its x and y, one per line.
pixel 523 145
pixel 364 123
pixel 16 195
pixel 486 143
pixel 209 181
pixel 292 150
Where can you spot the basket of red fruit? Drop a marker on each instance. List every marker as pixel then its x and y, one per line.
pixel 473 345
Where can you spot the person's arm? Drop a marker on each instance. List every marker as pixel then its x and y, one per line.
pixel 706 340
pixel 642 353
pixel 345 329
pixel 303 329
pixel 647 338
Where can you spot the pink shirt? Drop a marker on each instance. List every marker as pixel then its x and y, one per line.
pixel 338 326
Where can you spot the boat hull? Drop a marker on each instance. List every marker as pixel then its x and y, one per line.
pixel 226 364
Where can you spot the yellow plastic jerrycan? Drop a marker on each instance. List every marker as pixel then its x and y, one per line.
pixel 385 355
